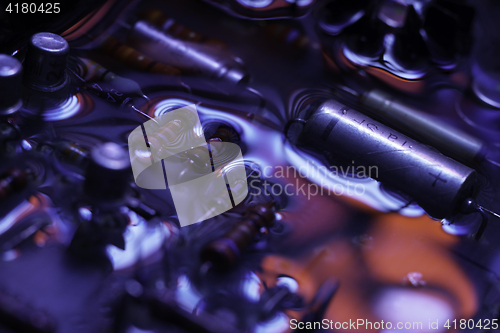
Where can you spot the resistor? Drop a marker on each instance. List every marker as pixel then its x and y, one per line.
pixel 224 252
pixel 436 182
pixel 132 58
pixel 71 152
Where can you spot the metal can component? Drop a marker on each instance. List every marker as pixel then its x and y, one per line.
pixel 451 141
pixel 108 172
pixel 45 62
pixel 11 72
pixel 436 182
pixel 190 57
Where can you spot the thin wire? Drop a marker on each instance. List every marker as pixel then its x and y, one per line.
pixel 144 114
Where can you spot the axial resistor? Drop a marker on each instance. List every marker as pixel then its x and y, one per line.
pixel 131 57
pixel 224 252
pixel 169 25
pixel 71 152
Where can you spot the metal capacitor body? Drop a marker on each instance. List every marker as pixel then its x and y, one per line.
pixel 45 63
pixel 11 72
pixel 436 182
pixel 189 56
pixel 451 141
pixel 108 172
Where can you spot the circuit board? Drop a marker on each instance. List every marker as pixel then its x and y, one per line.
pixel 249 166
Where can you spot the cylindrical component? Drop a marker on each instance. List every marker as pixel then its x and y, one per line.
pixel 450 141
pixel 45 62
pixel 71 152
pixel 224 251
pixel 11 72
pixel 191 57
pixel 173 28
pixel 436 182
pixel 108 172
pixel 130 57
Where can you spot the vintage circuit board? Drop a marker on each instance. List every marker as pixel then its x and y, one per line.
pixel 249 166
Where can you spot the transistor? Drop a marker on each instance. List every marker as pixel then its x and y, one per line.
pixel 107 173
pixel 222 253
pixel 11 72
pixel 439 184
pixel 45 65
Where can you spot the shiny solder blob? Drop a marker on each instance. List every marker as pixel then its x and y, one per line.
pixel 224 252
pixel 436 182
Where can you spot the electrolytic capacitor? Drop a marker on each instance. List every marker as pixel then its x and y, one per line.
pixel 190 57
pixel 45 63
pixel 224 252
pixel 71 152
pixel 436 182
pixel 11 74
pixel 108 172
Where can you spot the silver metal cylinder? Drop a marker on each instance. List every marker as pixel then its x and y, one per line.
pixel 188 56
pixel 45 62
pixel 108 172
pixel 11 72
pixel 436 182
pixel 449 140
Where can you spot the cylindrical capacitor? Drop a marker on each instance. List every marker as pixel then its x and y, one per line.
pixel 191 57
pixel 45 62
pixel 436 182
pixel 224 251
pixel 108 172
pixel 11 72
pixel 450 141
pixel 130 57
